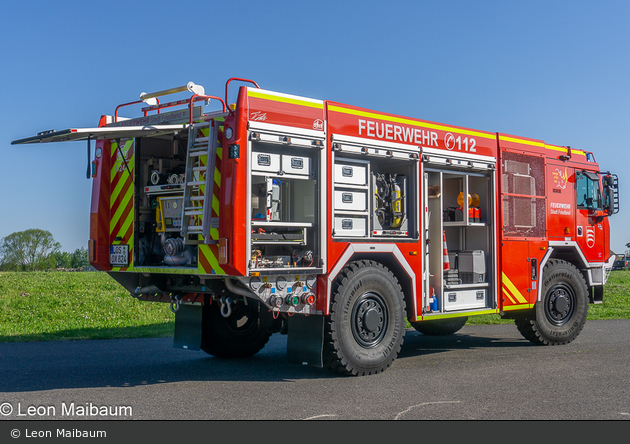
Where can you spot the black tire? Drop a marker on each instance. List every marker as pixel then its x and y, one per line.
pixel 244 333
pixel 366 326
pixel 440 327
pixel 561 314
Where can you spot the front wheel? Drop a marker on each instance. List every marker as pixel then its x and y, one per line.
pixel 560 315
pixel 366 326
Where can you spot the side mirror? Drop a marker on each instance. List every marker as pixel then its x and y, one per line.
pixel 609 200
pixel 611 193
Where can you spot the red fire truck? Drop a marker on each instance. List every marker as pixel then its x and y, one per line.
pixel 336 224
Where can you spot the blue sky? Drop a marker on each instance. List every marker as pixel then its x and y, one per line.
pixel 551 70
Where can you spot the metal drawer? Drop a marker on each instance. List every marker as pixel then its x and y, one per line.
pixel 354 174
pixel 464 299
pixel 350 226
pixel 350 200
pixel 265 162
pixel 296 165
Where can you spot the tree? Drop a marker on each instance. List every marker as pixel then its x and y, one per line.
pixel 62 259
pixel 80 258
pixel 28 249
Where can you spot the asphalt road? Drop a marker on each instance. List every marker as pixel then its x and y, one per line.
pixel 481 373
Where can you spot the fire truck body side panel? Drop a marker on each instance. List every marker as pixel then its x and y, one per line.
pixel 385 138
pixel 309 193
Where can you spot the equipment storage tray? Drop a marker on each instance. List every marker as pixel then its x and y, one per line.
pixel 350 200
pixel 464 299
pixel 350 226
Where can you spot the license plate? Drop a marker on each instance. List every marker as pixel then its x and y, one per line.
pixel 119 255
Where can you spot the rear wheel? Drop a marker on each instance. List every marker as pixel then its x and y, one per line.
pixel 366 326
pixel 440 327
pixel 242 334
pixel 560 315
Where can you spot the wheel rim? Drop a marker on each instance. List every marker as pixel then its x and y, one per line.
pixel 369 320
pixel 560 304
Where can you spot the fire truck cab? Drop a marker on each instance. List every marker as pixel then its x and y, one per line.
pixel 337 225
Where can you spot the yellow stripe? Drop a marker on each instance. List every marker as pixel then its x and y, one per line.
pixel 517 307
pixel 290 100
pixel 119 162
pixel 507 293
pixel 541 145
pixel 409 122
pixel 125 227
pixel 120 209
pixel 206 251
pixel 170 270
pixel 523 141
pixel 214 263
pixel 459 315
pixel 124 178
pixel 215 204
pixel 512 288
pixel 564 150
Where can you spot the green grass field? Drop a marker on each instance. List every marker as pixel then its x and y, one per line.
pixel 41 306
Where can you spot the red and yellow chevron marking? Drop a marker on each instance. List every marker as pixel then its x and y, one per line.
pixel 516 298
pixel 208 260
pixel 121 200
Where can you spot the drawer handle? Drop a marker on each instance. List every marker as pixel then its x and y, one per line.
pixel 346 198
pixel 346 224
pixel 297 163
pixel 264 160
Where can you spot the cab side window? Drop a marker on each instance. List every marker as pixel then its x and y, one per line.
pixel 589 196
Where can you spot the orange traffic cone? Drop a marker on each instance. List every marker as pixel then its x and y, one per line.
pixel 447 264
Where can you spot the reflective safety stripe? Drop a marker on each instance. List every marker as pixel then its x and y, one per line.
pixel 541 145
pixel 121 200
pixel 512 293
pixel 208 259
pixel 285 99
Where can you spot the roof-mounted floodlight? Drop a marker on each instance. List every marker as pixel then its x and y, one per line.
pixel 190 86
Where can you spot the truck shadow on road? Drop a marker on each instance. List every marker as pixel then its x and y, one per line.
pixel 35 366
pixel 417 344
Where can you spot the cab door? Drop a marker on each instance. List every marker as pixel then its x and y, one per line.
pixel 589 215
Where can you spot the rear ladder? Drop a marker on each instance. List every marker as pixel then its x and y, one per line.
pixel 197 217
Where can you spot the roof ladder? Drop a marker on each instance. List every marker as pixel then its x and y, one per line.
pixel 199 184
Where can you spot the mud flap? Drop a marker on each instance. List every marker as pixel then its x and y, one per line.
pixel 188 322
pixel 305 342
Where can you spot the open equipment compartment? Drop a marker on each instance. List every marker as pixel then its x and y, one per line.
pixel 284 209
pixel 375 191
pixel 161 165
pixel 461 232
